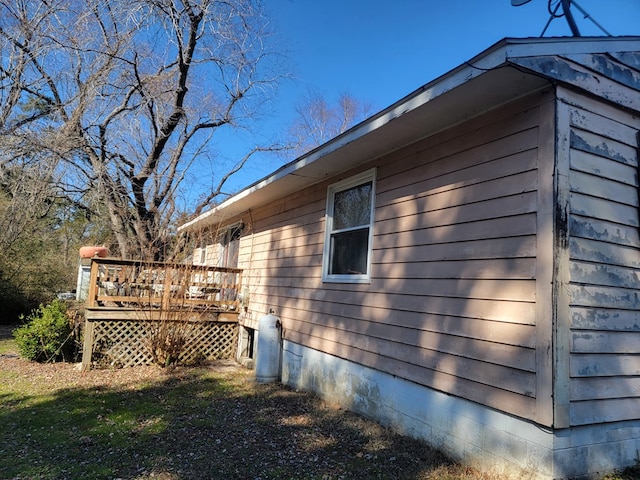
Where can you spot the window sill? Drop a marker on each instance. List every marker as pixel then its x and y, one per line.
pixel 347 279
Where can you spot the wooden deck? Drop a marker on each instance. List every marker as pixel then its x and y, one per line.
pixel 126 294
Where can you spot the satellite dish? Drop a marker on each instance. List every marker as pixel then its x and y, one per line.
pixel 517 3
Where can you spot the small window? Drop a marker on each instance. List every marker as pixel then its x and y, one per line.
pixel 349 229
pixel 198 256
pixel 230 246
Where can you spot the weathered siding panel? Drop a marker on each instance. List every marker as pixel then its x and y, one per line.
pixel 604 265
pixel 452 300
pixel 612 77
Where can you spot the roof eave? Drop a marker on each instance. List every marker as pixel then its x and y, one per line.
pixel 424 112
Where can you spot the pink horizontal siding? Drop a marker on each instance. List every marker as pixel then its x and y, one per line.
pixel 452 300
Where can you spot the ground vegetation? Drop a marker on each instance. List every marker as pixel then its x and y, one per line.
pixel 211 421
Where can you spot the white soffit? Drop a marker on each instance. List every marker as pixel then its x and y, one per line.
pixel 483 83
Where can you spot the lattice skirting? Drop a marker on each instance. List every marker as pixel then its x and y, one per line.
pixel 126 343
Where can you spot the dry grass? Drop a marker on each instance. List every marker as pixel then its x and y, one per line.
pixel 206 422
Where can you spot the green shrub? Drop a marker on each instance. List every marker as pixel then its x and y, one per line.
pixel 47 335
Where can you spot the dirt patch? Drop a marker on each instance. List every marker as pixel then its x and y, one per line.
pixel 212 421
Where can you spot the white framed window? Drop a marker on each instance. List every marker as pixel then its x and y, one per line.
pixel 349 229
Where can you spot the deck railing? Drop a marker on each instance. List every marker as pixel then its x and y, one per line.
pixel 163 286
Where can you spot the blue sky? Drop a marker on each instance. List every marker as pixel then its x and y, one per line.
pixel 379 51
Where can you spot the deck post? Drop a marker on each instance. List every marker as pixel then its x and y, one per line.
pixel 93 285
pixel 87 346
pixel 166 289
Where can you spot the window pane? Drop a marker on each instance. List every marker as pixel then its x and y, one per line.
pixel 349 252
pixel 231 245
pixel 352 207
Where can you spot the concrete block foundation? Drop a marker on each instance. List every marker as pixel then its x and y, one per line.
pixel 465 430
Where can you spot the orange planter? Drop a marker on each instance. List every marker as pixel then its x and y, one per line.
pixel 90 252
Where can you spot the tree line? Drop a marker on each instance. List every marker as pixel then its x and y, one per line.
pixel 106 107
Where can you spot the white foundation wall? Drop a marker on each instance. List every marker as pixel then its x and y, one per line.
pixel 591 451
pixel 465 430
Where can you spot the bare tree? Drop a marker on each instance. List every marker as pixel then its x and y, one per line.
pixel 27 198
pixel 124 96
pixel 33 259
pixel 317 121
